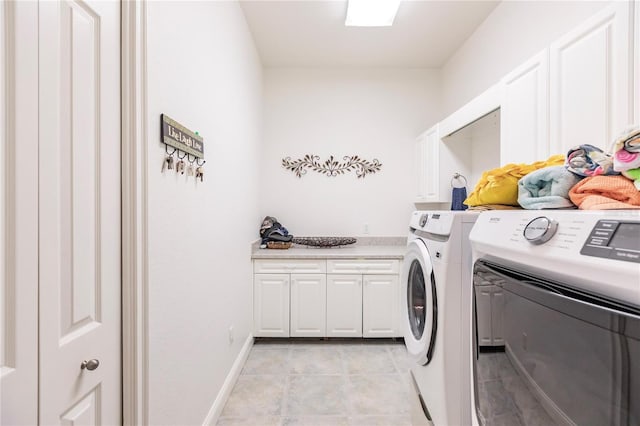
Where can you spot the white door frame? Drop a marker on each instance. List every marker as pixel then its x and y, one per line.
pixel 135 363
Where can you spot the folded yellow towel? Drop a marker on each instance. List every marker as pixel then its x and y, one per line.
pixel 500 186
pixel 605 193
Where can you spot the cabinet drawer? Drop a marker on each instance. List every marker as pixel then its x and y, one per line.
pixel 286 266
pixel 361 266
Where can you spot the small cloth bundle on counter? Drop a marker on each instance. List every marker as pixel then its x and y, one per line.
pixel 605 193
pixel 588 160
pixel 272 230
pixel 500 186
pixel 547 188
pixel 626 154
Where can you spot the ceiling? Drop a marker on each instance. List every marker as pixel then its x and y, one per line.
pixel 311 33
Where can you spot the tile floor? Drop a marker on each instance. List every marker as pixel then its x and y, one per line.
pixel 322 382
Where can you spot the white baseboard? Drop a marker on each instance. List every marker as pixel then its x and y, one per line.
pixel 229 383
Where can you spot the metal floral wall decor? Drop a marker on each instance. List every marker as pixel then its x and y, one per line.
pixel 331 166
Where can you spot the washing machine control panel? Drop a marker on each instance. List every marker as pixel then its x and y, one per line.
pixel 613 239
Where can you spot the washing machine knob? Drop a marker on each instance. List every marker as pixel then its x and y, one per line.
pixel 540 230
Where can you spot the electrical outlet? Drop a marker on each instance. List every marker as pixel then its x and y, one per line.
pixel 366 228
pixel 231 334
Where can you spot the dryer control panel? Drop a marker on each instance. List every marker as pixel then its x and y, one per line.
pixel 594 250
pixel 612 239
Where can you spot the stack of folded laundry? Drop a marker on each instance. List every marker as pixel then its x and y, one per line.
pixel 602 187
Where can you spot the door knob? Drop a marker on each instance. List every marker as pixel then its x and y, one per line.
pixel 90 365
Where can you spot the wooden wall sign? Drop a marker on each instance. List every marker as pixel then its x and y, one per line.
pixel 176 135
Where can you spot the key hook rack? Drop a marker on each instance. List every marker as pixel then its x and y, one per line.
pixel 185 143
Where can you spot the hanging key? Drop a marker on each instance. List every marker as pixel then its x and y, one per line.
pixel 180 167
pixel 200 173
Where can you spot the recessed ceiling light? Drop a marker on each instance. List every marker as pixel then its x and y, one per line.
pixel 371 13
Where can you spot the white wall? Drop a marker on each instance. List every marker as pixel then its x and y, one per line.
pixel 372 113
pixel 205 73
pixel 515 31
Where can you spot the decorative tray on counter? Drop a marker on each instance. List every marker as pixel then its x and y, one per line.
pixel 324 241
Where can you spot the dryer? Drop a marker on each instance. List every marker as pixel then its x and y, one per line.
pixel 436 277
pixel 570 318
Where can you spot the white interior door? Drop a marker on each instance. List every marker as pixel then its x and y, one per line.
pixel 79 211
pixel 18 213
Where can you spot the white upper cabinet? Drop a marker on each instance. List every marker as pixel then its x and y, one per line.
pixel 465 143
pixel 590 98
pixel 636 67
pixel 524 130
pixel 428 172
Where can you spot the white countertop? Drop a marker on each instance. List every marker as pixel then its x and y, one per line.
pixel 365 247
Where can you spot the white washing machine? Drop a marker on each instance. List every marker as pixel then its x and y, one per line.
pixel 436 276
pixel 568 312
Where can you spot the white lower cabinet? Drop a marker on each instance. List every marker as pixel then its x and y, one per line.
pixel 326 298
pixel 271 305
pixel 376 282
pixel 308 307
pixel 344 305
pixel 380 306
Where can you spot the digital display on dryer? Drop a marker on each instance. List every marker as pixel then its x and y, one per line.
pixel 626 237
pixel 614 240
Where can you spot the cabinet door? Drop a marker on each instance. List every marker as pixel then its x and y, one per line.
pixel 428 161
pixel 524 123
pixel 271 305
pixel 636 65
pixel 380 306
pixel 483 314
pixel 497 308
pixel 344 305
pixel 590 94
pixel 308 305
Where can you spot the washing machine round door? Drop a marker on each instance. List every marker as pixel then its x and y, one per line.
pixel 420 302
